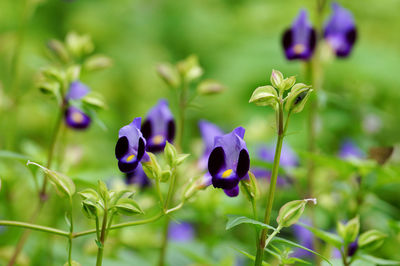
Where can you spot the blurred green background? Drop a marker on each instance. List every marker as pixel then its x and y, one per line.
pixel 238 44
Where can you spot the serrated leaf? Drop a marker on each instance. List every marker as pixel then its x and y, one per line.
pixel 234 220
pixel 291 243
pixel 326 236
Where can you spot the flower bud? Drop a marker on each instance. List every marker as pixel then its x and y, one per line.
pixel 170 154
pixel 250 187
pixel 349 231
pixel 209 87
pixel 151 168
pixel 190 68
pixel 264 95
pixel 276 79
pixel 291 212
pixel 169 74
pixel 288 83
pixel 59 50
pixel 97 62
pixel 79 45
pixel 371 240
pixel 90 209
pixel 298 97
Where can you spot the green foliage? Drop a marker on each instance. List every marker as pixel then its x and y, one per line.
pixel 235 220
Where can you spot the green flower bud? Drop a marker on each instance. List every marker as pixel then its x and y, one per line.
pixel 170 154
pixel 127 206
pixel 59 50
pixel 190 68
pixel 90 209
pixel 287 83
pixel 276 79
pixel 79 45
pixel 209 87
pixel 103 191
pixel 250 187
pixel 94 99
pixel 349 231
pixel 97 62
pixel 73 73
pixel 264 95
pixel 298 97
pixel 165 175
pixel 291 212
pixel 169 74
pixel 151 168
pixel 371 240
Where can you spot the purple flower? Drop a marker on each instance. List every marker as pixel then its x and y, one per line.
pixel 138 176
pixel 288 160
pixel 350 150
pixel 352 248
pixel 74 116
pixel 229 161
pixel 159 127
pixel 181 232
pixel 130 148
pixel 340 31
pixel 208 132
pixel 299 40
pixel 304 237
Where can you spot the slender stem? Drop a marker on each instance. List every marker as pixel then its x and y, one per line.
pixel 34 227
pixel 274 177
pixel 71 232
pixel 344 257
pixel 100 250
pixel 52 147
pixel 170 189
pixel 271 236
pixel 164 243
pixel 121 225
pixel 160 196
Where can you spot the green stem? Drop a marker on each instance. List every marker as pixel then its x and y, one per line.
pixel 271 193
pixel 34 227
pixel 271 236
pixel 102 239
pixel 71 232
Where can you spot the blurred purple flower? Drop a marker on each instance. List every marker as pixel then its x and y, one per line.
pixel 304 237
pixel 181 232
pixel 138 176
pixel 130 148
pixel 352 248
pixel 350 150
pixel 208 132
pixel 299 41
pixel 229 161
pixel 74 116
pixel 288 160
pixel 159 127
pixel 340 31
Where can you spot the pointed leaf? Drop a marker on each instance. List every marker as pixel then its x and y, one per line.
pixel 326 236
pixel 234 220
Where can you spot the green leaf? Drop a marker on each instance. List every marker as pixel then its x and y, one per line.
pixel 297 97
pixel 326 236
pixel 127 206
pixel 378 261
pixel 13 155
pixel 103 191
pixel 62 183
pixel 234 220
pixel 253 258
pixel 291 243
pixel 94 100
pixel 371 240
pixel 90 194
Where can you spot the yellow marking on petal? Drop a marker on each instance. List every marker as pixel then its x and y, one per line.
pixel 130 158
pixel 77 117
pixel 299 48
pixel 227 173
pixel 158 139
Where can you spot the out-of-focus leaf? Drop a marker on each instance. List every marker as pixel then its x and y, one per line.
pixel 127 206
pixel 73 263
pixel 13 155
pixel 253 258
pixel 326 236
pixel 234 220
pixel 377 261
pixel 291 243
